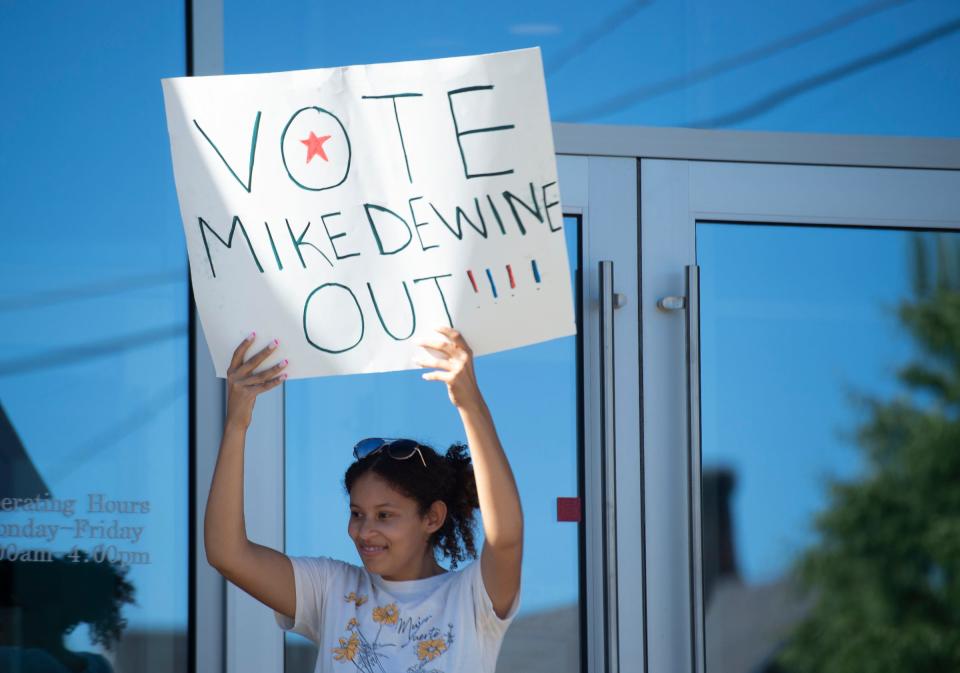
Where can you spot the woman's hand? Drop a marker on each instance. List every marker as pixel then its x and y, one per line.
pixel 244 384
pixel 456 369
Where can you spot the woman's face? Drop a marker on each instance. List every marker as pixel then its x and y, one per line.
pixel 386 526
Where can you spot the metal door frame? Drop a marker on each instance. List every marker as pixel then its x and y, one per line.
pixel 604 190
pixel 689 175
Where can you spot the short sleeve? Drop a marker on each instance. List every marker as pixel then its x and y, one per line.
pixel 487 618
pixel 312 577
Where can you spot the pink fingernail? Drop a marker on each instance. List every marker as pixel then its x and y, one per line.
pixel 284 363
pixel 274 344
pixel 283 377
pixel 250 337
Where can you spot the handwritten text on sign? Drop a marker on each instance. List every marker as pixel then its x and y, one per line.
pixel 348 211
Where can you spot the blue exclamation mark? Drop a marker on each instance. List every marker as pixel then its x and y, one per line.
pixel 493 286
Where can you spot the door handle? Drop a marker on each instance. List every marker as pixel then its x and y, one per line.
pixel 694 501
pixel 690 305
pixel 609 301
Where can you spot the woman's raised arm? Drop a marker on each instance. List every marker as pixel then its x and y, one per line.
pixel 264 573
pixel 496 487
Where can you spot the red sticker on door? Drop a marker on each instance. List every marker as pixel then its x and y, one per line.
pixel 568 509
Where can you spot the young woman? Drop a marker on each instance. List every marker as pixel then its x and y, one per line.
pixel 401 611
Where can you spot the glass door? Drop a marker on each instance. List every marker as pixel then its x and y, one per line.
pixel 828 468
pixel 555 407
pixel 811 314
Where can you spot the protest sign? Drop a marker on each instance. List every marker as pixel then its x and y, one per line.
pixel 348 211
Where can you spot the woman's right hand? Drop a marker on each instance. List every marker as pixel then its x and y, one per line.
pixel 244 384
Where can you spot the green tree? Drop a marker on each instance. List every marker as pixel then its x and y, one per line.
pixel 885 572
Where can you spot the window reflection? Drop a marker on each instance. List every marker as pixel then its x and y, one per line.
pixel 829 378
pixel 816 67
pixel 93 344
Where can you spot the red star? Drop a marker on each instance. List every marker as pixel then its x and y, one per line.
pixel 315 146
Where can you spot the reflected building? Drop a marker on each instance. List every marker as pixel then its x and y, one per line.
pixel 745 624
pixel 18 475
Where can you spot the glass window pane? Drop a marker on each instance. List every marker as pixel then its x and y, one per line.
pixel 850 66
pixel 829 422
pixel 93 334
pixel 523 387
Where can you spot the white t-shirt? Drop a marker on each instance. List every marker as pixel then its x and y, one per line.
pixel 364 623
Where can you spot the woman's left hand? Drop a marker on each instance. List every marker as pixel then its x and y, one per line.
pixel 456 369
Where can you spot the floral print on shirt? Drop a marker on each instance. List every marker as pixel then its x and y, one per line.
pixel 405 636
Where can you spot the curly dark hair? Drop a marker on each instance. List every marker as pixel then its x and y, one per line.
pixel 448 478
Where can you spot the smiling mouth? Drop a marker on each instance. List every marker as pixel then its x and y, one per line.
pixel 370 550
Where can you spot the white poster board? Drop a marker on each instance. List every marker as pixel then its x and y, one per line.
pixel 348 211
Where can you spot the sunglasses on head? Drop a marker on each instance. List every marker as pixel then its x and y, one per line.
pixel 398 449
